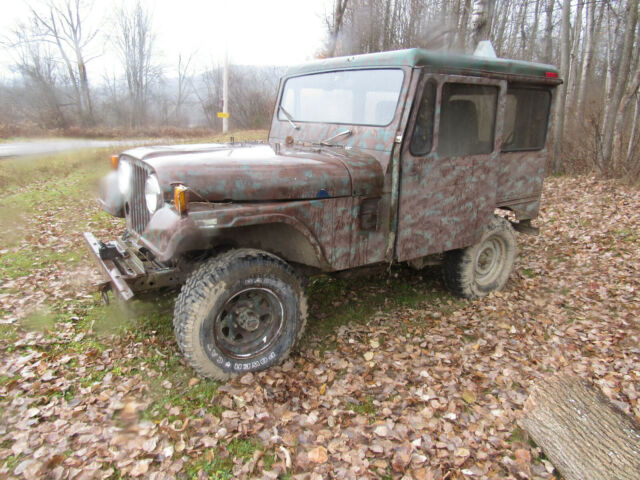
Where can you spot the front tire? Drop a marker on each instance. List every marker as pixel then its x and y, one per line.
pixel 480 269
pixel 240 312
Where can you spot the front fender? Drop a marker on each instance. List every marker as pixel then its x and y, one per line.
pixel 169 233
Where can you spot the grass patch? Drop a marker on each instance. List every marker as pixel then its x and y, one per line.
pixel 244 448
pixel 218 463
pixel 335 301
pixel 365 407
pixel 40 321
pixel 24 262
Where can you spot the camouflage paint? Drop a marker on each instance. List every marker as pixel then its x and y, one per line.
pixel 239 194
pixel 446 201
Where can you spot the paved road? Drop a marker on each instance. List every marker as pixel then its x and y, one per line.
pixel 56 145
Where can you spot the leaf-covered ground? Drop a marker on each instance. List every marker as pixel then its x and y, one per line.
pixel 394 377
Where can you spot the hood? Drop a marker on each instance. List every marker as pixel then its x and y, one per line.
pixel 261 172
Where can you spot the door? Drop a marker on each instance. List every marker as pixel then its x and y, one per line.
pixel 449 164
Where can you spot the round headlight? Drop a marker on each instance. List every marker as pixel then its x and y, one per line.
pixel 152 193
pixel 124 177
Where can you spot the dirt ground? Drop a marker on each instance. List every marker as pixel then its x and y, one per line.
pixel 394 378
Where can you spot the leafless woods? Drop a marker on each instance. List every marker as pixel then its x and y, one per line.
pixel 53 49
pixel 594 42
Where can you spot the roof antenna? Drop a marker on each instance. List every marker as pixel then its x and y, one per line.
pixel 485 49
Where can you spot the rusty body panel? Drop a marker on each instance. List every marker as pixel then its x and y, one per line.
pixel 363 199
pixel 445 201
pixel 258 173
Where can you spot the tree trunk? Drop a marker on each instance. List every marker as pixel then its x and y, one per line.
pixel 632 137
pixel 548 32
pixel 581 432
pixel 562 89
pixel 498 34
pixel 534 33
pixel 586 60
pixel 575 59
pixel 481 20
pixel 620 115
pixel 619 86
pixel 338 15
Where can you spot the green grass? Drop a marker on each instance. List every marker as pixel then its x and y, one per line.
pixel 28 260
pixel 335 301
pixel 218 463
pixel 22 171
pixel 365 407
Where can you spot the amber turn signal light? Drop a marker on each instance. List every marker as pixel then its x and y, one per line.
pixel 180 198
pixel 114 162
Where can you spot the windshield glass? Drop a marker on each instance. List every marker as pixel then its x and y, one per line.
pixel 353 97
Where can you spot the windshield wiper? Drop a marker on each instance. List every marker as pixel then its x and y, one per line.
pixel 346 132
pixel 289 117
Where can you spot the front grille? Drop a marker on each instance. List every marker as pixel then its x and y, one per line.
pixel 137 213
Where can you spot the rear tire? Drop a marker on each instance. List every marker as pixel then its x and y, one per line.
pixel 240 312
pixel 480 269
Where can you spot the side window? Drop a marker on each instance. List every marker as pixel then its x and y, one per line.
pixel 422 137
pixel 467 119
pixel 525 119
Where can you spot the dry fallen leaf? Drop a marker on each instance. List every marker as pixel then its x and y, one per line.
pixel 468 396
pixel 401 458
pixel 318 455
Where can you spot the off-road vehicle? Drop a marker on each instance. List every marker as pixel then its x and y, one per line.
pixel 399 156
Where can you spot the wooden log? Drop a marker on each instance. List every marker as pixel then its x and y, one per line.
pixel 584 436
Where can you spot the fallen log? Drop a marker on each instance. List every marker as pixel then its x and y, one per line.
pixel 583 435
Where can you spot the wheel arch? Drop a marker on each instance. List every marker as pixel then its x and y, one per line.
pixel 287 239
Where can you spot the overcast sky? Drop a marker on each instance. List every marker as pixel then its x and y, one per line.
pixel 264 32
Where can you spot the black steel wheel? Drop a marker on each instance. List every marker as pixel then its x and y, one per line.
pixel 240 312
pixel 484 267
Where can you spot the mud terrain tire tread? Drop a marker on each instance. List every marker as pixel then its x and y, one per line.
pixel 208 283
pixel 459 265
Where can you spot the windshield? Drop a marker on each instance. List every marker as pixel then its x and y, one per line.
pixel 353 97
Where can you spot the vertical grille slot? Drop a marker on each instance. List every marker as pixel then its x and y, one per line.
pixel 138 215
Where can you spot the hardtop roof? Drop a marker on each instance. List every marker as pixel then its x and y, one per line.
pixel 418 57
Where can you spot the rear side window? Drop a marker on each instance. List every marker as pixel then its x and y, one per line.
pixel 422 137
pixel 467 119
pixel 525 119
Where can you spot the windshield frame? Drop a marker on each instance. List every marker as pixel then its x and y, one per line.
pixel 320 72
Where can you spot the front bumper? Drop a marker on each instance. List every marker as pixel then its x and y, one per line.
pixel 127 271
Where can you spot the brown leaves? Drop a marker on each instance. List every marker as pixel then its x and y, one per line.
pixel 401 458
pixel 318 455
pixel 429 391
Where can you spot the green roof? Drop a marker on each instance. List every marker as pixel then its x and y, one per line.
pixel 418 57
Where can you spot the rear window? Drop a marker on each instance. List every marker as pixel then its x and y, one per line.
pixel 525 120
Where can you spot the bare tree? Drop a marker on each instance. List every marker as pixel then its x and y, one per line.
pixel 548 31
pixel 36 63
pixel 618 84
pixel 184 85
pixel 335 25
pixel 134 41
pixel 562 89
pixel 61 22
pixel 481 19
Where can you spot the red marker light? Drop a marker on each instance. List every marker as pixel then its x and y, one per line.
pixel 551 74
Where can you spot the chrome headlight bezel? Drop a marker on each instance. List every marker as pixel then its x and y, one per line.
pixel 125 174
pixel 152 193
